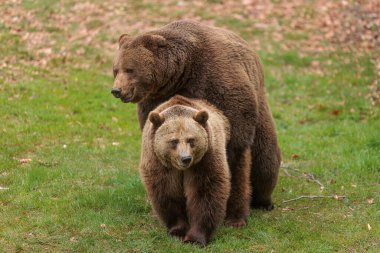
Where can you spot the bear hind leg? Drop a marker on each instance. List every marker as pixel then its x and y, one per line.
pixel 266 160
pixel 238 201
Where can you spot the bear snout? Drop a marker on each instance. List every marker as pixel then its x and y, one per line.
pixel 129 96
pixel 186 160
pixel 116 92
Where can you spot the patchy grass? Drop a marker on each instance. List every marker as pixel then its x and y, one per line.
pixel 69 151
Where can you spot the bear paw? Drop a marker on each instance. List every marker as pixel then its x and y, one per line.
pixel 196 238
pixel 265 205
pixel 237 223
pixel 178 230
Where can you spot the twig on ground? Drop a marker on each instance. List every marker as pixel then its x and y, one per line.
pixel 285 166
pixel 315 197
pixel 311 177
pixel 286 172
pixel 305 175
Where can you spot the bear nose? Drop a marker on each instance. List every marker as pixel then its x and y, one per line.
pixel 186 160
pixel 116 92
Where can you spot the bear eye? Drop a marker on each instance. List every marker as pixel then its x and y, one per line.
pixel 174 143
pixel 115 71
pixel 129 71
pixel 191 142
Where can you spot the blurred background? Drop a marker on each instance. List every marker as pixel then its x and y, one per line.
pixel 63 30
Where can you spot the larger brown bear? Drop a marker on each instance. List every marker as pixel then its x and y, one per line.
pixel 198 61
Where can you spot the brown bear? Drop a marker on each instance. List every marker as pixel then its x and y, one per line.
pixel 198 61
pixel 184 167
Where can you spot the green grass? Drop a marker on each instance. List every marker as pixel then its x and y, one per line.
pixel 81 190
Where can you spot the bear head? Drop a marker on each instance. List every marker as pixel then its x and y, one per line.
pixel 140 67
pixel 180 136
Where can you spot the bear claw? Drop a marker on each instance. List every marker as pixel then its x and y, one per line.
pixel 265 205
pixel 178 230
pixel 237 223
pixel 198 239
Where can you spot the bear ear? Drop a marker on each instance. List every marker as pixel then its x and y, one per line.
pixel 124 38
pixel 156 119
pixel 201 117
pixel 154 41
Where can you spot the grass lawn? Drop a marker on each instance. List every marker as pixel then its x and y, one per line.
pixel 69 152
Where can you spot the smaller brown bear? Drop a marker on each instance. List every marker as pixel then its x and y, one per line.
pixel 184 167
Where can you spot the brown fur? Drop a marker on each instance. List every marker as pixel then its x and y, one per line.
pixel 199 61
pixel 191 200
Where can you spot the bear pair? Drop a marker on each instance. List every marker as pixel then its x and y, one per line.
pixel 200 63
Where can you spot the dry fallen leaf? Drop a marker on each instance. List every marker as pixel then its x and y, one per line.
pixel 315 64
pixel 25 160
pixel 337 197
pixel 370 201
pixel 115 143
pixel 73 239
pixel 4 174
pixel 336 112
pixel 302 121
pixel 369 227
pixel 294 156
pixel 103 226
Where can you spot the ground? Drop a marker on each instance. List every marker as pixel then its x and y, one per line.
pixel 70 152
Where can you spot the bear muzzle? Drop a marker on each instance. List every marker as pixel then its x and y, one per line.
pixel 116 92
pixel 186 160
pixel 126 98
pixel 123 89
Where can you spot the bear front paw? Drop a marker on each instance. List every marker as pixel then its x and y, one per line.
pixel 262 204
pixel 235 222
pixel 196 238
pixel 178 230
